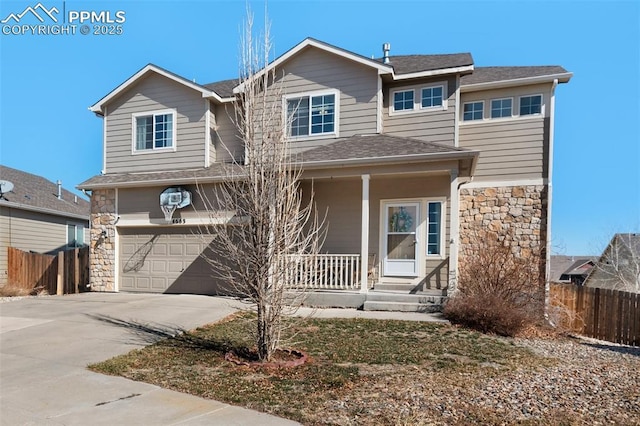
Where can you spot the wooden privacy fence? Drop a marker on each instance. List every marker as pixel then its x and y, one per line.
pixel 597 312
pixel 64 273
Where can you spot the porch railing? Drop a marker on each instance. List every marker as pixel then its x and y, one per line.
pixel 324 272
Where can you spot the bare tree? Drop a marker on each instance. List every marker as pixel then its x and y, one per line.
pixel 619 266
pixel 272 224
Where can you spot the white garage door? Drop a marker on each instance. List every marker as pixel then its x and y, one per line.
pixel 164 260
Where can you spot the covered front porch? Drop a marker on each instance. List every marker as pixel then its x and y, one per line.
pixel 391 230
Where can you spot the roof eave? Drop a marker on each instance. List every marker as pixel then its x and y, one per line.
pixel 549 78
pixel 26 207
pixel 465 69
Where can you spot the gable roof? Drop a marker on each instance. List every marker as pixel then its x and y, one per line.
pixel 35 193
pixel 560 264
pixel 578 267
pixel 484 77
pixel 207 92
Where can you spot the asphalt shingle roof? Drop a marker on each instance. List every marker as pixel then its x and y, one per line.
pixel 408 64
pixel 37 192
pixel 374 146
pixel 490 74
pixel 217 170
pixel 223 88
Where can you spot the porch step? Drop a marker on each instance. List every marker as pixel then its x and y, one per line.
pixel 408 289
pixel 403 302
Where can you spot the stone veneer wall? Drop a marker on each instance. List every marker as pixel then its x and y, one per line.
pixel 102 253
pixel 517 213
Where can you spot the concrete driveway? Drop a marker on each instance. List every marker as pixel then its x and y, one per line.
pixel 47 342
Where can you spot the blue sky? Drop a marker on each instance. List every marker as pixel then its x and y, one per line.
pixel 48 81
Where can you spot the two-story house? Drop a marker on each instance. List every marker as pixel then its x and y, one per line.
pixel 408 155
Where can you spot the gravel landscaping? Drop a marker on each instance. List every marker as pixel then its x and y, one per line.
pixel 587 382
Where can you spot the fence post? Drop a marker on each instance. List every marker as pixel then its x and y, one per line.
pixel 76 269
pixel 60 282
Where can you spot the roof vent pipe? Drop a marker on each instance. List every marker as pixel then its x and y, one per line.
pixel 386 47
pixel 59 189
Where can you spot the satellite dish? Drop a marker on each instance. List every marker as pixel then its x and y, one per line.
pixel 5 186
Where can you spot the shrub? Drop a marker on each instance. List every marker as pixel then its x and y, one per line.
pixel 500 289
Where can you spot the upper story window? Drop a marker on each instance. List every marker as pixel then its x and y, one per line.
pixel 530 105
pixel 403 101
pixel 432 96
pixel 473 111
pixel 312 115
pixel 501 107
pixel 153 131
pixel 419 98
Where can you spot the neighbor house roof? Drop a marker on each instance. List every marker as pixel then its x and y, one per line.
pixel 559 264
pixel 484 77
pixel 579 267
pixel 35 193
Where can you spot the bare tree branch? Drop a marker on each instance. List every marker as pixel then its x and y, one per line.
pixel 268 225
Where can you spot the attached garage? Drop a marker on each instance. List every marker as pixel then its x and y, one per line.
pixel 164 260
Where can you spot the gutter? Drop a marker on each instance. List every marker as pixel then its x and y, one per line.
pixel 42 210
pixel 547 271
pixel 558 78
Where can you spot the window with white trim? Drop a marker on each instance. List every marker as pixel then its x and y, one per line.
pixel 473 111
pixel 154 131
pixel 403 101
pixel 311 115
pixel 75 235
pixel 530 105
pixel 501 107
pixel 432 96
pixel 434 228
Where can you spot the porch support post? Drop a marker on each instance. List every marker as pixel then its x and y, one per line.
pixel 364 239
pixel 454 230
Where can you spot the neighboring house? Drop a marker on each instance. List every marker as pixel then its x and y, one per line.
pixel 409 154
pixel 571 269
pixel 619 266
pixel 39 216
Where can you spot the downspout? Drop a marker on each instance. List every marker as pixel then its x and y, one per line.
pixel 547 268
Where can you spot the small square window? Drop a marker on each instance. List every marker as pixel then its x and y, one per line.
pixel 403 101
pixel 501 108
pixel 473 111
pixel 530 105
pixel 432 97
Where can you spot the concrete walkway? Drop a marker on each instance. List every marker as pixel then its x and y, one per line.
pixel 47 342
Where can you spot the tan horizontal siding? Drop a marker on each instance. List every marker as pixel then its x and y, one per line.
pixel 313 70
pixel 428 125
pixel 509 149
pixel 227 142
pixel 155 93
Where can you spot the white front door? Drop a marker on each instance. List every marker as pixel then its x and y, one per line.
pixel 401 220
